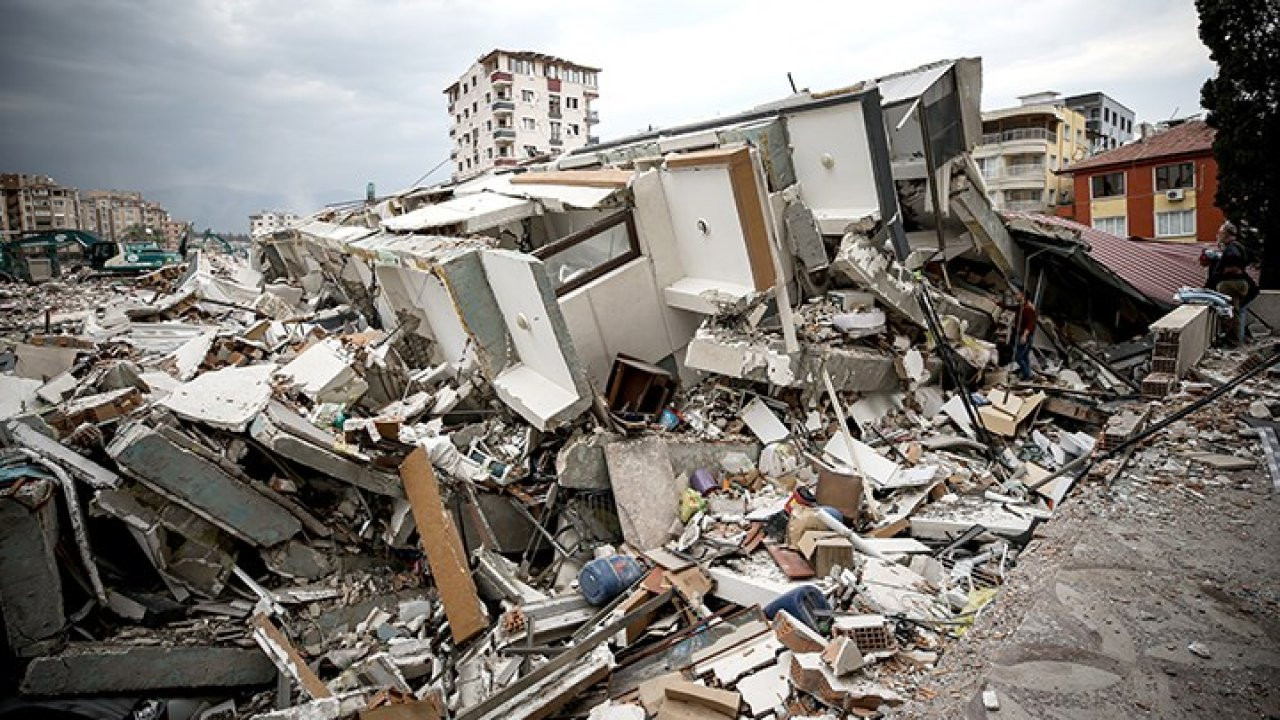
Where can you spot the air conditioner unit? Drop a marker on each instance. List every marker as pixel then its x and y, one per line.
pixel 1175 195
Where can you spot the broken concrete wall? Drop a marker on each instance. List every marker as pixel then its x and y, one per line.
pixel 543 382
pixel 619 313
pixel 422 294
pixel 853 369
pixel 30 586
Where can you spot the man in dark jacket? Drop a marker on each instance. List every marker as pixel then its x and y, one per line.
pixel 1024 331
pixel 1228 275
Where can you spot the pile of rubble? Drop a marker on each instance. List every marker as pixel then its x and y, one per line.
pixel 385 473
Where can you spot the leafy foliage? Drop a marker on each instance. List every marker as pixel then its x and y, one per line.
pixel 1243 37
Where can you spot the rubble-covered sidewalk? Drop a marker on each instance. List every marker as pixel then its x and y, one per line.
pixel 712 421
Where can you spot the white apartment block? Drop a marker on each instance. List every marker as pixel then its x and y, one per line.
pixel 513 106
pixel 269 221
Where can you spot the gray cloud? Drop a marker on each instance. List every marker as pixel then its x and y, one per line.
pixel 218 107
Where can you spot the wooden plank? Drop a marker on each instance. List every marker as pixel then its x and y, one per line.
pixel 790 562
pixel 443 546
pixel 286 657
pixel 746 195
pixel 605 178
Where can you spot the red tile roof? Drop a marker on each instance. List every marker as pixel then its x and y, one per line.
pixel 1192 136
pixel 1156 269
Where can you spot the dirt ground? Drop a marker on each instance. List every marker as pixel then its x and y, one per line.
pixel 1160 598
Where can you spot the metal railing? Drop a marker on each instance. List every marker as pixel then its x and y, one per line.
pixel 1024 169
pixel 1019 134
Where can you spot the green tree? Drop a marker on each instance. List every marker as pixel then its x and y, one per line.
pixel 1243 37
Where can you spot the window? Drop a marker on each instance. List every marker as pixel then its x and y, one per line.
pixel 571 130
pixel 520 67
pixel 552 71
pixel 486 99
pixel 583 256
pixel 528 123
pixel 531 150
pixel 528 96
pixel 571 103
pixel 1109 185
pixel 1169 177
pixel 1093 114
pixel 488 126
pixel 555 131
pixel 504 151
pixel 1176 223
pixel 489 153
pixel 1114 225
pixel 475 106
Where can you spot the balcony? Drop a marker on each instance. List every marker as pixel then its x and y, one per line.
pixel 500 107
pixel 1024 170
pixel 1024 205
pixel 592 117
pixel 505 162
pixel 593 140
pixel 1019 134
pixel 504 136
pixel 554 114
pixel 557 141
pixel 500 78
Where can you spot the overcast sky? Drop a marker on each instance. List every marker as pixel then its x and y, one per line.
pixel 220 107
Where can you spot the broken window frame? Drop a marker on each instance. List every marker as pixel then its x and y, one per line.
pixel 572 240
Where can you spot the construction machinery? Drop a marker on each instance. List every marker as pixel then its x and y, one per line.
pixel 41 256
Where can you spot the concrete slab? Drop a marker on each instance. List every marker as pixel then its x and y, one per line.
pixel 292 437
pixel 227 399
pixel 201 487
pixel 90 669
pixel 646 490
pixel 30 584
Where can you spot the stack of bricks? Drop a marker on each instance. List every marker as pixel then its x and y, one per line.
pixel 1119 427
pixel 1163 377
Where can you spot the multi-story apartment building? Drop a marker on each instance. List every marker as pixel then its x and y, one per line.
pixel 264 222
pixel 111 214
pixel 172 231
pixel 1023 147
pixel 1161 187
pixel 1109 123
pixel 511 106
pixel 34 203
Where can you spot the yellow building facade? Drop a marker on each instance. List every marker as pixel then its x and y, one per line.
pixel 1023 147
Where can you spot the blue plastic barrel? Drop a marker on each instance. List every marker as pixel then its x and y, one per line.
pixel 800 604
pixel 603 579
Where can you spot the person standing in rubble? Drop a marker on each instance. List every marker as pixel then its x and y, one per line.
pixel 1024 331
pixel 1228 275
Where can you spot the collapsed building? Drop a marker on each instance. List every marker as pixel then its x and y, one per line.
pixel 709 421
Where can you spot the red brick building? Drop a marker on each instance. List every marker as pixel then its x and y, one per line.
pixel 1159 188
